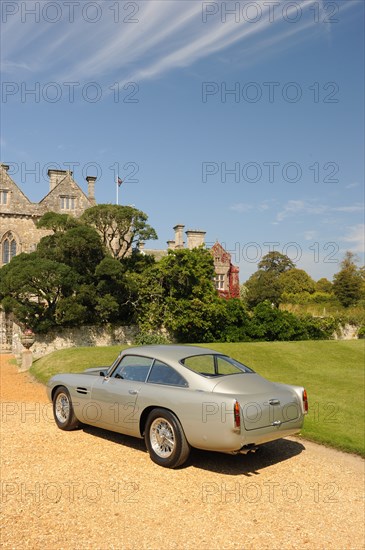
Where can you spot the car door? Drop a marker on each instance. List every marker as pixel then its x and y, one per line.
pixel 115 396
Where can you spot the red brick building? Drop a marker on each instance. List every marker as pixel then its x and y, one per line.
pixel 227 275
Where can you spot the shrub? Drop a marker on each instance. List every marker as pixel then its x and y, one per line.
pixel 150 338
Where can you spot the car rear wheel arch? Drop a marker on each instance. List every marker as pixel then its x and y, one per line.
pixel 145 414
pixel 165 438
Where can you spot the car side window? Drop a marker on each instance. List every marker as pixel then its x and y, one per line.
pixel 202 364
pixel 164 374
pixel 133 367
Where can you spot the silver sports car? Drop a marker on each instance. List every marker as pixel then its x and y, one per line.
pixel 178 397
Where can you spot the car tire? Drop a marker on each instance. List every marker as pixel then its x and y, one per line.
pixel 165 439
pixel 63 411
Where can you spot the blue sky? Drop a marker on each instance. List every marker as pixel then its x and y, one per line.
pixel 244 119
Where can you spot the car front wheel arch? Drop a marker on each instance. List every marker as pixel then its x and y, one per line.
pixel 63 410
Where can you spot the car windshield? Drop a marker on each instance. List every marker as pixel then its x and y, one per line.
pixel 214 365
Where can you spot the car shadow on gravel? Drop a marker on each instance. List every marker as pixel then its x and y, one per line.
pixel 121 439
pixel 248 465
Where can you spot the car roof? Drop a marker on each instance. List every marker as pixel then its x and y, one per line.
pixel 170 352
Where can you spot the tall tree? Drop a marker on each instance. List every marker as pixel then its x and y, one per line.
pixel 275 262
pixel 120 227
pixel 347 282
pixel 178 293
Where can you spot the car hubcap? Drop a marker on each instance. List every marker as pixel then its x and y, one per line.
pixel 62 408
pixel 162 437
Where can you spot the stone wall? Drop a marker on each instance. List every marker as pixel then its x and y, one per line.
pixel 65 338
pixel 347 332
pixel 23 230
pixel 83 336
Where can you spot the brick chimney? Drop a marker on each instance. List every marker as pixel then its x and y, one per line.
pixel 6 167
pixel 91 188
pixel 170 245
pixel 179 241
pixel 195 238
pixel 55 176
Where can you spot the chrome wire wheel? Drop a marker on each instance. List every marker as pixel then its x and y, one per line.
pixel 162 437
pixel 62 408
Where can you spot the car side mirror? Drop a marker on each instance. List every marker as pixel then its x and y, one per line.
pixel 102 373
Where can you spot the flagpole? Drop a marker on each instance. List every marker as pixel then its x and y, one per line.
pixel 117 191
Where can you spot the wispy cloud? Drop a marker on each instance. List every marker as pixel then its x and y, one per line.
pixel 352 208
pixel 262 206
pixel 241 207
pixel 165 35
pixel 310 235
pixel 303 207
pixel 296 207
pixel 356 236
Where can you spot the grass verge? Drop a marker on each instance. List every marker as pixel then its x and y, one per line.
pixel 331 371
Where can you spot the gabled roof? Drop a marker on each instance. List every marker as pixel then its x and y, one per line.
pixel 218 251
pixel 64 185
pixel 8 183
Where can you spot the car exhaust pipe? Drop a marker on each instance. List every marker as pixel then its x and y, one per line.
pixel 248 449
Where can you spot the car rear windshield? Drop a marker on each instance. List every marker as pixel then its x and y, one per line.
pixel 214 365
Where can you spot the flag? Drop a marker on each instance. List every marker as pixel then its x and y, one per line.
pixel 119 181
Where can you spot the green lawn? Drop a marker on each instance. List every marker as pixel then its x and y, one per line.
pixel 331 371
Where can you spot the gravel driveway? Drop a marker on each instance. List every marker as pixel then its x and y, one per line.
pixel 94 489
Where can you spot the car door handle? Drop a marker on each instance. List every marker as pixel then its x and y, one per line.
pixel 133 392
pixel 274 401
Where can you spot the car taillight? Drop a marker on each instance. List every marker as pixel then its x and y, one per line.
pixel 305 401
pixel 236 414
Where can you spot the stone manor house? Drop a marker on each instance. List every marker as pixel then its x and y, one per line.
pixel 18 217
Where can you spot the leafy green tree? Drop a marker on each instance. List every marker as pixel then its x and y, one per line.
pixel 187 273
pixel 32 287
pixel 178 293
pixel 275 262
pixel 265 283
pixel 295 281
pixel 79 247
pixel 150 302
pixel 70 311
pixel 243 293
pixel 324 285
pixel 195 319
pixel 57 222
pixel 120 227
pixel 362 277
pixel 347 283
pixel 117 293
pixel 261 286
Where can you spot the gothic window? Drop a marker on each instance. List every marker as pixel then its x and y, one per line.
pixel 219 282
pixel 67 202
pixel 4 196
pixel 9 247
